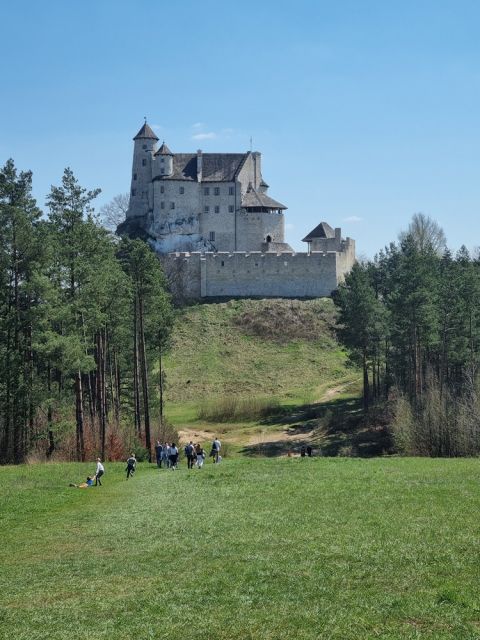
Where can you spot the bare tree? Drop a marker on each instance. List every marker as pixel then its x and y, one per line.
pixel 115 211
pixel 425 233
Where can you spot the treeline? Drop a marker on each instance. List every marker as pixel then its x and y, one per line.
pixel 84 320
pixel 411 320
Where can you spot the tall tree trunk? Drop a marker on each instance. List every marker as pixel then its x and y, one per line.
pixel 136 377
pixel 101 391
pixel 160 382
pixel 366 389
pixel 79 415
pixel 51 442
pixel 117 388
pixel 144 372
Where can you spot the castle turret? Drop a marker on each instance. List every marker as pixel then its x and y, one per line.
pixel 141 195
pixel 163 161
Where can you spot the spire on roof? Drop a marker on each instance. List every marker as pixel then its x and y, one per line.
pixel 164 150
pixel 145 132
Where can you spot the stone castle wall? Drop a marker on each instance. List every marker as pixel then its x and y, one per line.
pixel 256 274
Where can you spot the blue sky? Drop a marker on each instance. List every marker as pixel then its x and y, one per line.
pixel 364 111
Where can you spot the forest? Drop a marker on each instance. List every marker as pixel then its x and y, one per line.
pixel 84 320
pixel 410 319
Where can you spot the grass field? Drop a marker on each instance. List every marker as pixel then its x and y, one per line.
pixel 336 548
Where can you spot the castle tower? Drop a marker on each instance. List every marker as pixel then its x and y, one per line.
pixel 163 161
pixel 141 194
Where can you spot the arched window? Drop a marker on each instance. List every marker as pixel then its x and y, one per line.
pixel 269 238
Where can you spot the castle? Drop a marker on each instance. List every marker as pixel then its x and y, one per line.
pixel 222 233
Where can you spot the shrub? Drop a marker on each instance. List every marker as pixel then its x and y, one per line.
pixel 230 408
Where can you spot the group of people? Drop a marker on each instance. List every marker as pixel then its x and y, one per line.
pixel 167 454
pixel 99 471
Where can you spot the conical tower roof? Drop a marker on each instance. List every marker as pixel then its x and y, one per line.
pixel 164 150
pixel 145 132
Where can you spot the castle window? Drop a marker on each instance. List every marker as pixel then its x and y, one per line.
pixel 144 146
pixel 269 238
pixel 162 189
pixel 134 191
pixel 231 191
pixel 206 191
pixel 162 160
pixel 217 209
pixel 231 208
pixel 134 176
pixel 216 191
pixel 211 236
pixel 162 171
pixel 162 205
pixel 182 189
pixel 207 209
pixel 144 162
pixel 172 205
pixel 223 263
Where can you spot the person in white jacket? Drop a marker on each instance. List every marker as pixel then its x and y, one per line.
pixel 100 470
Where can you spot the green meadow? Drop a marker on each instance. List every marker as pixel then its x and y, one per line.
pixel 334 548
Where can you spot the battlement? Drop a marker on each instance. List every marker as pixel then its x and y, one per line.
pixel 262 274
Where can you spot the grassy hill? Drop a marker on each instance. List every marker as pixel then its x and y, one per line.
pixel 239 367
pixel 337 548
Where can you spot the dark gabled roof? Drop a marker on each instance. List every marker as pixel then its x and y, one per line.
pixel 145 132
pixel 253 198
pixel 323 230
pixel 216 167
pixel 164 150
pixel 221 167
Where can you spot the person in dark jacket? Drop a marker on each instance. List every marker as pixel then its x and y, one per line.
pixel 131 465
pixel 190 455
pixel 158 453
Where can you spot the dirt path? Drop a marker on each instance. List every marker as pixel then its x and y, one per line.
pixel 196 435
pixel 265 435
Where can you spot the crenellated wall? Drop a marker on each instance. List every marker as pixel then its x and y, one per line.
pixel 256 274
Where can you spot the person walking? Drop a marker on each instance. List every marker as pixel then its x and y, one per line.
pixel 169 451
pixel 201 455
pixel 215 452
pixel 158 453
pixel 190 454
pixel 131 465
pixel 100 470
pixel 173 456
pixel 309 451
pixel 165 454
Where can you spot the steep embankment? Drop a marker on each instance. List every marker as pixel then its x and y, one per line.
pixel 234 366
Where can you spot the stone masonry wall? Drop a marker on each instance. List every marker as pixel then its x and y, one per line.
pixel 256 274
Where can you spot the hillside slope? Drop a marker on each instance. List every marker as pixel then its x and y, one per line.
pixel 259 353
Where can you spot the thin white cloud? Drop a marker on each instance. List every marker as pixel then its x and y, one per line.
pixel 210 135
pixel 158 127
pixel 198 125
pixel 352 219
pixel 289 226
